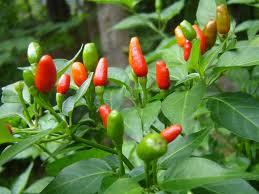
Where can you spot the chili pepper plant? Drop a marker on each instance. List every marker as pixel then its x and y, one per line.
pixel 149 128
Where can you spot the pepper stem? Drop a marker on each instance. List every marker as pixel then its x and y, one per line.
pixel 147 169
pixel 154 169
pixel 120 156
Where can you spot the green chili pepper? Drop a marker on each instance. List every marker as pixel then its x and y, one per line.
pixel 28 77
pixel 151 147
pixel 34 52
pixel 115 127
pixel 187 30
pixel 90 56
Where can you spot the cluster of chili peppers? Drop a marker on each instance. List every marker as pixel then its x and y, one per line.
pixel 185 32
pixel 43 76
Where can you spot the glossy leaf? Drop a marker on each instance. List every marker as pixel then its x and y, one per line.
pixel 149 114
pixel 38 185
pixel 21 181
pixel 238 186
pixel 132 123
pixel 182 147
pixel 56 166
pixel 184 105
pixel 240 57
pixel 83 177
pixel 237 112
pixel 206 11
pixel 22 145
pixel 196 172
pixel 124 186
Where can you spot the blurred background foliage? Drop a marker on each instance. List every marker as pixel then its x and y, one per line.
pixel 61 26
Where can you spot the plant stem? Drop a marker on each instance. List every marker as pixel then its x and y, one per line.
pixel 147 168
pixel 104 148
pixel 154 169
pixel 27 114
pixel 155 129
pixel 54 139
pixel 47 151
pixel 120 156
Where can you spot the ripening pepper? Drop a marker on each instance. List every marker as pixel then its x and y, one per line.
pixel 90 56
pixel 162 75
pixel 79 73
pixel 34 52
pixel 210 32
pixel 187 50
pixel 28 77
pixel 201 36
pixel 115 127
pixel 223 19
pixel 63 84
pixel 171 133
pixel 151 147
pixel 137 59
pixel 187 30
pixel 104 112
pixel 101 73
pixel 9 128
pixel 46 74
pixel 180 38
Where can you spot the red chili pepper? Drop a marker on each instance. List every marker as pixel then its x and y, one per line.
pixel 187 50
pixel 63 84
pixel 201 36
pixel 79 73
pixel 171 133
pixel 162 75
pixel 104 112
pixel 46 74
pixel 101 73
pixel 180 38
pixel 136 58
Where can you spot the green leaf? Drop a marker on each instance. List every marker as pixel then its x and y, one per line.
pixel 69 63
pixel 114 97
pixel 116 74
pixel 193 62
pixel 182 147
pixel 133 22
pixel 206 11
pixel 149 114
pixel 124 186
pixel 55 167
pixel 237 112
pixel 171 11
pixel 23 144
pixel 9 110
pixel 174 59
pixel 83 177
pixel 183 104
pixel 196 172
pixel 128 3
pixel 38 186
pixel 4 190
pixel 69 104
pixel 132 123
pixel 240 57
pixel 21 181
pixel 238 186
pixel 9 95
pixel 187 78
